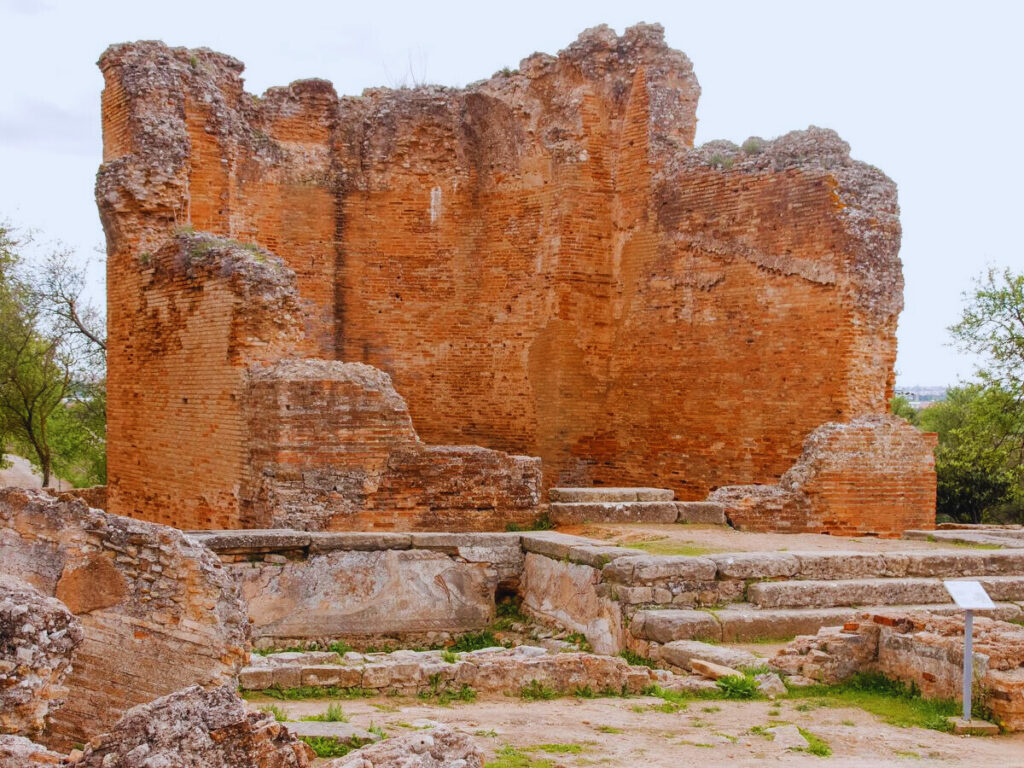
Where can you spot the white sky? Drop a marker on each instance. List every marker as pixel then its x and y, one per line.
pixel 930 92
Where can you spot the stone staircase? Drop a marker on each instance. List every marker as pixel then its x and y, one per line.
pixel 575 506
pixel 775 598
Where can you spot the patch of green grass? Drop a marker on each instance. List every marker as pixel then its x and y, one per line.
pixel 491 734
pixel 509 612
pixel 474 641
pixel 510 757
pixel 667 546
pixel 333 714
pixel 769 640
pixel 609 729
pixel 443 694
pixel 974 545
pixel 762 730
pixel 710 710
pixel 327 746
pixel 278 713
pixel 376 729
pixel 339 647
pixel 668 707
pixel 584 692
pixel 449 657
pixel 542 523
pixel 774 712
pixel 848 723
pixel 579 640
pixel 894 702
pixel 537 691
pixel 815 744
pixel 636 659
pixel 907 754
pixel 556 749
pixel 738 687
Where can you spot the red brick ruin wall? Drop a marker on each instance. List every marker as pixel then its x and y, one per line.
pixel 542 263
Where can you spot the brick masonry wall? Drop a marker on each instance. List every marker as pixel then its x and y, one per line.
pixel 875 475
pixel 538 261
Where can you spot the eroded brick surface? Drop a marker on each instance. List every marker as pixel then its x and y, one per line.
pixel 874 475
pixel 540 262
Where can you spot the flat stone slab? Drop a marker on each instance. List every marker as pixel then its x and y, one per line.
pixel 254 540
pixel 973 727
pixel 553 544
pixel 813 593
pixel 707 512
pixel 787 737
pixel 332 542
pixel 571 495
pixel 638 570
pixel 681 653
pixel 576 513
pixel 336 730
pixel 664 626
pixel 755 565
pixel 713 671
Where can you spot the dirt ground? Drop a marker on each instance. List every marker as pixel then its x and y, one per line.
pixel 700 539
pixel 633 731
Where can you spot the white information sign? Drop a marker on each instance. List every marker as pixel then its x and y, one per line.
pixel 969 595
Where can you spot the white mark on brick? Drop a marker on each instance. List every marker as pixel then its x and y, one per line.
pixel 435 204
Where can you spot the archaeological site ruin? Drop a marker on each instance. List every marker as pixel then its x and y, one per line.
pixel 505 391
pixel 421 308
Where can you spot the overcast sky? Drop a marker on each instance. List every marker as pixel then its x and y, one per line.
pixel 930 92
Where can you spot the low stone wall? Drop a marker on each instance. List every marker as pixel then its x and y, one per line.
pixel 921 649
pixel 158 611
pixel 490 670
pixel 367 588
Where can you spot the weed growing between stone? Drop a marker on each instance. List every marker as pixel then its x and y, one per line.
pixel 474 641
pixel 894 702
pixel 333 714
pixel 815 744
pixel 636 660
pixel 327 746
pixel 278 713
pixel 510 757
pixel 440 693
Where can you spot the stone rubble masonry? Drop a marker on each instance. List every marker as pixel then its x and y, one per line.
pixel 196 727
pixel 19 752
pixel 922 649
pixel 37 637
pixel 540 261
pixel 333 447
pixel 874 475
pixel 489 670
pixel 439 746
pixel 158 611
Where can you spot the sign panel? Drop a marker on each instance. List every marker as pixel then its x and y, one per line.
pixel 969 595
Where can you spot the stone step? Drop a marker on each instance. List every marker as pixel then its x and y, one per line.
pixel 579 512
pixel 742 622
pixel 891 591
pixel 345 733
pixel 599 494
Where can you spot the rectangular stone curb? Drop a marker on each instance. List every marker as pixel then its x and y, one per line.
pixel 365 542
pixel 668 625
pixel 597 556
pixel 598 494
pixel 554 545
pixel 700 512
pixel 638 570
pixel 755 565
pixel 451 542
pixel 830 594
pixel 254 541
pixel 576 513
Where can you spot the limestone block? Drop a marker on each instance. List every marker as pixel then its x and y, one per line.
pixel 366 593
pixel 252 540
pixel 553 544
pixel 19 752
pixel 679 653
pixel 755 565
pixel 38 636
pixel 331 541
pixel 578 513
pixel 840 565
pixel 438 747
pixel 646 569
pixel 196 727
pixel 713 671
pixel 608 495
pixel 664 626
pixel 566 593
pixel 826 594
pixel 706 512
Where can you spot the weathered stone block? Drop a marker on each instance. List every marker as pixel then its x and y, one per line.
pixel 755 565
pixel 649 569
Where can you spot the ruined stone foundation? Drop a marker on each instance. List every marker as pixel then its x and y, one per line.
pixel 540 264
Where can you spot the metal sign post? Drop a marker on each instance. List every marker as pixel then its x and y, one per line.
pixel 970 596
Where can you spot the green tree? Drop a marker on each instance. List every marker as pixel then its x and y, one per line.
pixel 52 367
pixel 980 456
pixel 992 326
pixel 900 406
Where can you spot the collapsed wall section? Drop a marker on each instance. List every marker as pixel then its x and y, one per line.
pixel 157 611
pixel 874 475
